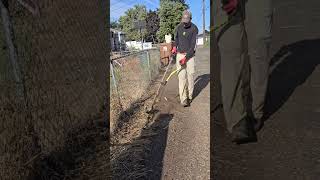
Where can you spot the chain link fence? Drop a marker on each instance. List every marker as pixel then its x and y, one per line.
pixel 62 58
pixel 130 77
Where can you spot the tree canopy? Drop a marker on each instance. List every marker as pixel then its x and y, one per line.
pixel 138 12
pixel 115 25
pixel 153 25
pixel 170 14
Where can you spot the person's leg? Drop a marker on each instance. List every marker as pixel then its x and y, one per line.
pixel 233 71
pixel 258 26
pixel 182 77
pixel 190 75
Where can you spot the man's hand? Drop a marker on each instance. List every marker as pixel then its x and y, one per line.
pixel 230 6
pixel 174 50
pixel 183 61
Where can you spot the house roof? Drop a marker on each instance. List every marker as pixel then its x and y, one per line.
pixel 116 31
pixel 201 35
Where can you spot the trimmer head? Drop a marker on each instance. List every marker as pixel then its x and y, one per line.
pixel 149 110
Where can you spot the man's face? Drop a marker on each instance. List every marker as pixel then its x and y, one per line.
pixel 186 18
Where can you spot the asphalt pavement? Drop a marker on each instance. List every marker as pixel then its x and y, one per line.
pixel 288 146
pixel 181 148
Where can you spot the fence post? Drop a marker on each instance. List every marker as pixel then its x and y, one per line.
pixel 115 84
pixel 149 67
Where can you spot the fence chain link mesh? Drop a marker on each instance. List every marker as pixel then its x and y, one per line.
pixel 130 77
pixel 63 61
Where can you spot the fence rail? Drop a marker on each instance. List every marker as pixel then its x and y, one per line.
pixel 130 76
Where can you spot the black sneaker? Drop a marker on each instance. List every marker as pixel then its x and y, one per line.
pixel 189 100
pixel 244 132
pixel 185 103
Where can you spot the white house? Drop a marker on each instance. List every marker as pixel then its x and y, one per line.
pixel 117 39
pixel 200 41
pixel 137 45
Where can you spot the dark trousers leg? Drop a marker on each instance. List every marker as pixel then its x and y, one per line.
pixel 234 73
pixel 258 22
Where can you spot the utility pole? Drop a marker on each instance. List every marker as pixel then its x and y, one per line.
pixel 203 22
pixel 141 39
pixel 140 25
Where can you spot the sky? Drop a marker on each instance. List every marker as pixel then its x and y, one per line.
pixel 119 7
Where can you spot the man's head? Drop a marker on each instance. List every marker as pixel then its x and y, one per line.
pixel 186 17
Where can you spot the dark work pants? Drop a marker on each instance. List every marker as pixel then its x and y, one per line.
pixel 244 48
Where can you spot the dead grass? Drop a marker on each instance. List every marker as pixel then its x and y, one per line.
pixel 85 155
pixel 133 83
pixel 55 136
pixel 17 142
pixel 129 146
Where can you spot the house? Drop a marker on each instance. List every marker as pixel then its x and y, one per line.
pixel 200 41
pixel 137 45
pixel 117 39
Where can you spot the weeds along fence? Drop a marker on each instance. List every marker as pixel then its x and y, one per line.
pixel 130 76
pixel 62 61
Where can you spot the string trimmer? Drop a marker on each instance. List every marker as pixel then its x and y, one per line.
pixel 215 28
pixel 163 83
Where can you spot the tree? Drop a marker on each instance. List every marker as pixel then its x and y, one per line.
pixel 170 14
pixel 138 12
pixel 179 1
pixel 153 25
pixel 115 25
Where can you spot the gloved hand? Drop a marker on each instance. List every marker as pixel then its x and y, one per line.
pixel 174 50
pixel 183 61
pixel 230 6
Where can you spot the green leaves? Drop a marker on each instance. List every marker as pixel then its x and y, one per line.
pixel 159 23
pixel 138 12
pixel 114 25
pixel 153 25
pixel 170 14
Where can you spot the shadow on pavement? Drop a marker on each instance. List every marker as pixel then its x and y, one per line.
pixel 200 83
pixel 299 61
pixel 215 86
pixel 143 157
pixel 292 64
pixel 157 145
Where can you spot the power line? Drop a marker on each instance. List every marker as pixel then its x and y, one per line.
pixel 152 3
pixel 125 5
pixel 119 1
pixel 121 4
pixel 129 5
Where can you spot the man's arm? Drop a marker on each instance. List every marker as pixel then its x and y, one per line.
pixel 193 42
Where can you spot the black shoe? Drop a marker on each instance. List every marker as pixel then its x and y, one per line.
pixel 258 124
pixel 243 132
pixel 185 103
pixel 189 101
